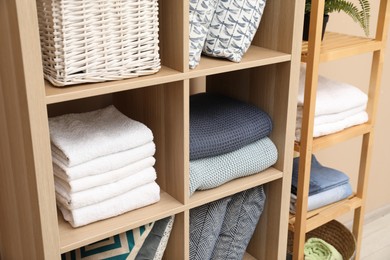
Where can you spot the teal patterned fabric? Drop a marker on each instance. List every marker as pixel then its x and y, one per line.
pixel 201 12
pixel 120 247
pixel 232 28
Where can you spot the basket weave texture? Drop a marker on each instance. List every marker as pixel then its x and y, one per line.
pixel 98 40
pixel 335 234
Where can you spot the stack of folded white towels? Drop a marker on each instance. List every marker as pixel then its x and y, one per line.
pixel 103 165
pixel 338 106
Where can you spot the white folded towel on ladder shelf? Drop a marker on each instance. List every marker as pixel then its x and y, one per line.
pixel 78 138
pixel 332 96
pixel 133 199
pixel 97 194
pixel 103 164
pixel 104 178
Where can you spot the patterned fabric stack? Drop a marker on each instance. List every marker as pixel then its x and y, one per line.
pixel 326 186
pixel 145 242
pixel 223 28
pixel 103 165
pixel 222 229
pixel 338 106
pixel 228 140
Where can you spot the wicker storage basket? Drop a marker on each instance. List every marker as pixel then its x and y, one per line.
pixel 98 40
pixel 335 234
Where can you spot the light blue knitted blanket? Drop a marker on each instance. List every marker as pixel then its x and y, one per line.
pixel 214 171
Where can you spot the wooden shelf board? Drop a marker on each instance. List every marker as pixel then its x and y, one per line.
pixel 318 217
pixel 332 139
pixel 337 46
pixel 254 57
pixel 72 238
pixel 234 186
pixel 248 257
pixel 60 94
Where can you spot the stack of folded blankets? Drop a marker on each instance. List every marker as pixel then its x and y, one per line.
pixel 103 165
pixel 326 186
pixel 338 106
pixel 228 139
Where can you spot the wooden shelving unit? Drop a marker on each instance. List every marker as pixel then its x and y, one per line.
pixel 31 227
pixel 335 46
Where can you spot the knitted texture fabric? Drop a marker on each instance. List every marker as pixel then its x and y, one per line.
pixel 205 225
pixel 242 214
pixel 220 124
pixel 214 171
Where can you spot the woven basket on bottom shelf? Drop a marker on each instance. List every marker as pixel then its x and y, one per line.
pixel 92 41
pixel 335 234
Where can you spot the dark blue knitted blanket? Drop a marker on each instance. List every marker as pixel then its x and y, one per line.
pixel 219 124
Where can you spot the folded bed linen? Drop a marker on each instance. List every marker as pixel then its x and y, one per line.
pixel 103 164
pixel 214 171
pixel 220 124
pixel 205 225
pixel 318 249
pixel 136 198
pixel 323 198
pixel 321 178
pixel 242 215
pixel 329 118
pixel 97 194
pixel 330 128
pixel 104 178
pixel 332 96
pixel 78 138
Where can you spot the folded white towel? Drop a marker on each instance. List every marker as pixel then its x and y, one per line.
pixel 330 118
pixel 326 129
pixel 97 194
pixel 332 96
pixel 136 198
pixel 104 178
pixel 103 164
pixel 78 138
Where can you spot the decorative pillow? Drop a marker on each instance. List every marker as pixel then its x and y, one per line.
pixel 123 246
pixel 233 27
pixel 201 12
pixel 220 124
pixel 157 240
pixel 242 214
pixel 205 225
pixel 212 172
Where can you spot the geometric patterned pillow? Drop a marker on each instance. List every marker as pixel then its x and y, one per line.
pixel 201 12
pixel 119 247
pixel 233 27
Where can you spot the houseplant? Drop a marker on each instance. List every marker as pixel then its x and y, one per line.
pixel 360 15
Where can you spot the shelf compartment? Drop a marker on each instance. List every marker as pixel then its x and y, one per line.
pixel 248 257
pixel 73 238
pixel 56 95
pixel 254 57
pixel 332 139
pixel 336 46
pixel 234 186
pixel 318 217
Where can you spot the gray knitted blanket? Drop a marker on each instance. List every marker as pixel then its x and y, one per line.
pixel 220 124
pixel 208 173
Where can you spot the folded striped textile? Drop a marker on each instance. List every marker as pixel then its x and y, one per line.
pixel 219 124
pixel 214 171
pixel 78 138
